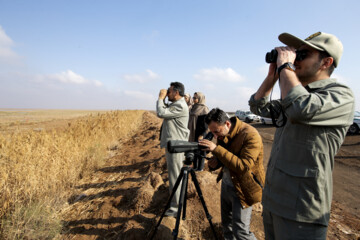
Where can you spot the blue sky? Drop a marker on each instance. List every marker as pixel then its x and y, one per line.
pixel 119 54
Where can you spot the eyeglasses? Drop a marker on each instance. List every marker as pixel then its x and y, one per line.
pixel 301 54
pixel 194 97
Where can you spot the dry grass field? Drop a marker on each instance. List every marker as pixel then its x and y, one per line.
pixel 43 153
pixel 38 119
pixel 102 175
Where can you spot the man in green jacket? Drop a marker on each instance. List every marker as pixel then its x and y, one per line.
pixel 239 149
pixel 174 127
pixel 313 116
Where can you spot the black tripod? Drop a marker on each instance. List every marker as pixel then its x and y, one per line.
pixel 184 173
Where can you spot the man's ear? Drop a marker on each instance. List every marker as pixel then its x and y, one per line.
pixel 228 123
pixel 327 62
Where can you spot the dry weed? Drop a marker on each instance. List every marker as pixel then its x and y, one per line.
pixel 39 165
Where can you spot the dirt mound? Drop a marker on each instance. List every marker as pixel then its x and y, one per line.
pixel 125 199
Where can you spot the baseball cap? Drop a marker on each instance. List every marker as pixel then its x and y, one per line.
pixel 320 41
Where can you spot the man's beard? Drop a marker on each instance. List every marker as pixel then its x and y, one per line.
pixel 308 74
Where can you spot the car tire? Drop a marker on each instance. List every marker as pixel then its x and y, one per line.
pixel 263 121
pixel 247 120
pixel 354 128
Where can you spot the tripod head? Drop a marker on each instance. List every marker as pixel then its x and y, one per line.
pixel 179 146
pixel 194 153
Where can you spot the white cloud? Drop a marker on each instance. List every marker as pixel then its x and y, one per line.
pixel 71 77
pixel 97 83
pixel 7 55
pixel 5 40
pixel 24 90
pixel 149 76
pixel 218 75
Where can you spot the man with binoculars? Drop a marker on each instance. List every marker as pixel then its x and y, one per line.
pixel 312 117
pixel 174 127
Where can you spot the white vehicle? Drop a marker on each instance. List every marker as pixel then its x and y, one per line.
pixel 247 116
pixel 265 120
pixel 355 127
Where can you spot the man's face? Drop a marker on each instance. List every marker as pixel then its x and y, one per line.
pixel 219 130
pixel 308 67
pixel 171 94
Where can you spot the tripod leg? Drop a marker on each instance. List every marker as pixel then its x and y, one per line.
pixel 185 199
pixel 177 183
pixel 197 186
pixel 182 197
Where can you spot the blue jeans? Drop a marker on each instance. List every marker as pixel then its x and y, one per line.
pixel 280 228
pixel 235 219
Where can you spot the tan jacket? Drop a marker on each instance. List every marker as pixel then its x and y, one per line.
pixel 242 152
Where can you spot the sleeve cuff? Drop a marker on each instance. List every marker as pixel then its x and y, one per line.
pixel 260 102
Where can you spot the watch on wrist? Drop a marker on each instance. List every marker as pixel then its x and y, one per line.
pixel 287 65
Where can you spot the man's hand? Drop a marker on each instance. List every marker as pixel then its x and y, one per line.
pixel 210 146
pixel 163 94
pixel 285 54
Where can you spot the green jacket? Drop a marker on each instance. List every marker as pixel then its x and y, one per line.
pixel 241 152
pixel 298 182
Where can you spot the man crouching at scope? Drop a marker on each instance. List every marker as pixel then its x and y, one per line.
pixel 239 150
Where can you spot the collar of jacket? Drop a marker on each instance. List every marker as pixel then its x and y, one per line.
pixel 234 129
pixel 179 100
pixel 319 84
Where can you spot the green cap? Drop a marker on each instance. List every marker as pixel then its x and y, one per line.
pixel 320 41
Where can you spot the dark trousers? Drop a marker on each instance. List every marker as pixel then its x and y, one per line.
pixel 280 228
